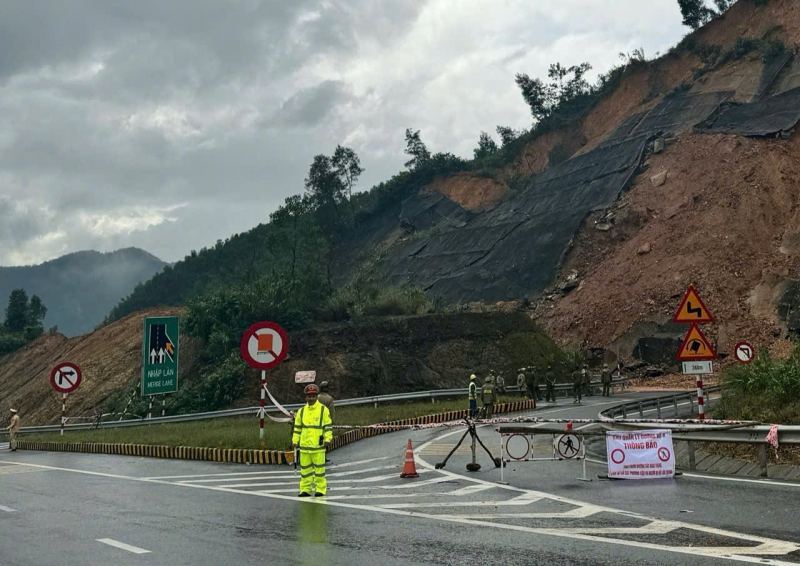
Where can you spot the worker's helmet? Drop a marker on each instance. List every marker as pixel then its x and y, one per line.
pixel 488 380
pixel 323 386
pixel 13 410
pixel 550 367
pixel 311 389
pixel 605 366
pixel 473 376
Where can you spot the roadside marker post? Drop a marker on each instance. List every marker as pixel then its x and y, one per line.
pixel 264 346
pixel 695 347
pixel 65 378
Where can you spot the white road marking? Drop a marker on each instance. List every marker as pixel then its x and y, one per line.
pixel 7 509
pixel 213 475
pixel 123 546
pixel 287 475
pixel 743 480
pixel 470 490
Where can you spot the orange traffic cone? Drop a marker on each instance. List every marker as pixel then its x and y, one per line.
pixel 409 468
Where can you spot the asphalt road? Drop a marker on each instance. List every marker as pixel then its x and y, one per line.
pixel 65 509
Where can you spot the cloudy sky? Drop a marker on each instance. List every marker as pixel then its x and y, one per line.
pixel 167 124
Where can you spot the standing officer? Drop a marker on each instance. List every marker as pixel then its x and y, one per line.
pixel 521 381
pixel 325 397
pixel 533 383
pixel 577 384
pixel 606 379
pixel 473 396
pixel 13 429
pixel 550 385
pixel 500 385
pixel 488 397
pixel 587 380
pixel 312 435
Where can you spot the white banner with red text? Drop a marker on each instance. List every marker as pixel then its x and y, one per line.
pixel 640 455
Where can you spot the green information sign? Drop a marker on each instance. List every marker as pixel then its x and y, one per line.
pixel 160 355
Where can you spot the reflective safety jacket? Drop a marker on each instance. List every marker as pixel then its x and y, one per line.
pixel 312 427
pixel 488 394
pixel 473 391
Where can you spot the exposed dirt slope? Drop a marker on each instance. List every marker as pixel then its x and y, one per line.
pixel 726 221
pixel 109 358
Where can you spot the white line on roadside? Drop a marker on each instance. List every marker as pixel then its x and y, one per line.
pixel 287 475
pixel 7 509
pixel 123 546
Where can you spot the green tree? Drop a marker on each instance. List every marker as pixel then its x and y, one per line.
pixel 323 185
pixel 348 166
pixel 536 96
pixel 507 135
pixel 695 12
pixel 17 311
pixel 416 149
pixel 294 231
pixel 36 312
pixel 486 146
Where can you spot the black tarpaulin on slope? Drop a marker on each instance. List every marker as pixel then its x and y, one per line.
pixel 762 118
pixel 680 111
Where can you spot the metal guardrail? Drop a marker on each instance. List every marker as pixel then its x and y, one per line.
pixel 566 388
pixel 756 434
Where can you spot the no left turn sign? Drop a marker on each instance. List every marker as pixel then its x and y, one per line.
pixel 65 377
pixel 264 345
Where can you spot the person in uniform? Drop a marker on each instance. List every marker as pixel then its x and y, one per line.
pixel 13 430
pixel 606 379
pixel 325 397
pixel 473 396
pixel 312 435
pixel 587 380
pixel 521 381
pixel 500 385
pixel 550 385
pixel 533 383
pixel 577 384
pixel 488 398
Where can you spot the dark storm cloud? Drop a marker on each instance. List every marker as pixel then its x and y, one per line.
pixel 170 124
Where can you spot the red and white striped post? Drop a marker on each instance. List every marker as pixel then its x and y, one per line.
pixel 701 410
pixel 163 405
pixel 263 393
pixel 150 408
pixel 63 411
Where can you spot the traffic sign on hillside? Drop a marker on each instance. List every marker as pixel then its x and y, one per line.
pixel 695 347
pixel 264 345
pixel 65 377
pixel 744 352
pixel 160 355
pixel 692 309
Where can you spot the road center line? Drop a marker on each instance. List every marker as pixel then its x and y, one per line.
pixel 123 546
pixel 7 509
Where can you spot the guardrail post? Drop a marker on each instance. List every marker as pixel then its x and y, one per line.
pixel 641 411
pixel 675 404
pixel 658 406
pixel 690 451
pixel 691 404
pixel 624 412
pixel 762 459
pixel 376 404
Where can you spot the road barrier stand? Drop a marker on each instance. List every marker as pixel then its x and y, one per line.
pixel 516 447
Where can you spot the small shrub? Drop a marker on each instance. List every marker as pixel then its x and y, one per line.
pixel 773 49
pixel 708 53
pixel 558 154
pixel 742 47
pixel 678 90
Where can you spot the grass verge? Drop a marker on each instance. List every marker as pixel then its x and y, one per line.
pixel 242 432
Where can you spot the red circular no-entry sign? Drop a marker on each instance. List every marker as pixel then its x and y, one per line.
pixel 618 456
pixel 65 377
pixel 264 345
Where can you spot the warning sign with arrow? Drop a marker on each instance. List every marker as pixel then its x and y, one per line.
pixel 160 355
pixel 692 309
pixel 695 347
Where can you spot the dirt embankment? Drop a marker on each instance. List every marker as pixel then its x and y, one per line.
pixel 109 359
pixel 725 221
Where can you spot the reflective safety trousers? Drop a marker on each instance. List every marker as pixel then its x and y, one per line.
pixel 312 428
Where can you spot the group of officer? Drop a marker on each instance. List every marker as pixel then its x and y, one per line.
pixel 529 379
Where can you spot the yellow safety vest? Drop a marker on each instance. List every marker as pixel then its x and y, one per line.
pixel 312 427
pixel 473 391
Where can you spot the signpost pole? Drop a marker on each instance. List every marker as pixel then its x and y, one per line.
pixel 263 392
pixel 701 411
pixel 150 408
pixel 63 411
pixel 163 405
